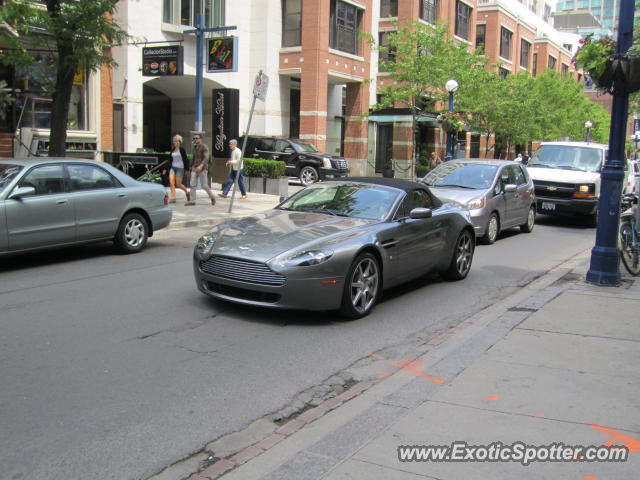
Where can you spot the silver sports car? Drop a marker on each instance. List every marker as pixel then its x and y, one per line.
pixel 335 246
pixel 54 202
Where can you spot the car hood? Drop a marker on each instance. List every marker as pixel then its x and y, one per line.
pixel 264 236
pixel 562 175
pixel 459 195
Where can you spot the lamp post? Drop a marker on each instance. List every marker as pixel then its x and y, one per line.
pixel 588 126
pixel 451 87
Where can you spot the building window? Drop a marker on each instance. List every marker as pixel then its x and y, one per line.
pixel 505 43
pixel 552 62
pixel 534 6
pixel 185 12
pixel 525 49
pixel 547 12
pixel 535 65
pixel 345 25
pixel 387 54
pixel 429 10
pixel 388 8
pixel 291 23
pixel 481 31
pixel 564 69
pixel 463 18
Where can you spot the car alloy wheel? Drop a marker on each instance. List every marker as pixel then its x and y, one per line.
pixel 132 233
pixel 531 221
pixel 362 286
pixel 308 175
pixel 462 257
pixel 493 228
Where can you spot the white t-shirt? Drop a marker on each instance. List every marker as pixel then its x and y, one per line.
pixel 176 160
pixel 236 155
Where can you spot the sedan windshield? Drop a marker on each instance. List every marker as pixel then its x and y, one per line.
pixel 7 173
pixel 567 156
pixel 463 175
pixel 352 200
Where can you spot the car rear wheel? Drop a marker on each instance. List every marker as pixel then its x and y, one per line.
pixel 527 227
pixel 308 175
pixel 362 286
pixel 492 230
pixel 132 233
pixel 462 257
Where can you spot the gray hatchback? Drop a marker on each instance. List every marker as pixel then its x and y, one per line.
pixel 49 202
pixel 498 193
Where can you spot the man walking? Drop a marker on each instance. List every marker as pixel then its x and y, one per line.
pixel 199 168
pixel 236 156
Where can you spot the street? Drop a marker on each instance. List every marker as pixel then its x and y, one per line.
pixel 116 366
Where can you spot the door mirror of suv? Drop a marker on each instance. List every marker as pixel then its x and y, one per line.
pixel 510 187
pixel 20 192
pixel 289 150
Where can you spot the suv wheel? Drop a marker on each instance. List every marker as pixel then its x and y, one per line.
pixel 308 175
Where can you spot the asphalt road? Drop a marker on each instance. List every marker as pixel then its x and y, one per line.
pixel 112 366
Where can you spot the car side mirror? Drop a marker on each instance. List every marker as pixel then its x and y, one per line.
pixel 510 187
pixel 420 213
pixel 20 192
pixel 288 150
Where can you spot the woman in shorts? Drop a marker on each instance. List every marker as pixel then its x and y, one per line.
pixel 178 165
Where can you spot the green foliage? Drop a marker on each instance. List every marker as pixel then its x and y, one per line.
pixel 5 99
pixel 451 121
pixel 151 177
pixel 421 170
pixel 256 167
pixel 592 56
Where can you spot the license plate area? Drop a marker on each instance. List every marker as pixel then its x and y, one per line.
pixel 548 206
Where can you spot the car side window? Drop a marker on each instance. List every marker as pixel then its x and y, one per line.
pixel 282 145
pixel 519 177
pixel 89 177
pixel 46 179
pixel 265 145
pixel 414 199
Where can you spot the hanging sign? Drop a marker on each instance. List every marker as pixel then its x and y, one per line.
pixel 162 61
pixel 222 54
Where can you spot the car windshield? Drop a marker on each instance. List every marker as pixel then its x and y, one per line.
pixel 567 156
pixel 464 175
pixel 306 147
pixel 355 200
pixel 7 173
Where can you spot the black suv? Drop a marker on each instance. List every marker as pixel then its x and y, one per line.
pixel 303 160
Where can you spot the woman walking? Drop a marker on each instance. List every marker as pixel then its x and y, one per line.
pixel 178 164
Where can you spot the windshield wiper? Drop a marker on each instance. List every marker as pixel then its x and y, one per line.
pixel 328 212
pixel 544 165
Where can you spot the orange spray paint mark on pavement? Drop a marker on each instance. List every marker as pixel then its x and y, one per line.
pixel 493 399
pixel 539 414
pixel 616 437
pixel 406 365
pixel 590 477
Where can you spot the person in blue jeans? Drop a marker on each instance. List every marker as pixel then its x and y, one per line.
pixel 234 162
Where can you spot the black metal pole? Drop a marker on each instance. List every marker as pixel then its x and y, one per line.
pixel 604 256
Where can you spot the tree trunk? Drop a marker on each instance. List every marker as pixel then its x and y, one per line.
pixel 61 97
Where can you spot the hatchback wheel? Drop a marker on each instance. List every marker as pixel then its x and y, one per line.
pixel 492 230
pixel 362 287
pixel 132 233
pixel 308 175
pixel 527 227
pixel 462 257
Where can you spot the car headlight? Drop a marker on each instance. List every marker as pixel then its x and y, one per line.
pixel 477 203
pixel 205 244
pixel 587 190
pixel 304 259
pixel 326 162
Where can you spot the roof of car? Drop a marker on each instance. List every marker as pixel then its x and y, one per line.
pixel 399 183
pixel 578 144
pixel 483 161
pixel 32 160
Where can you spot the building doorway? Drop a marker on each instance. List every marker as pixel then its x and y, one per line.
pixel 384 146
pixel 156 111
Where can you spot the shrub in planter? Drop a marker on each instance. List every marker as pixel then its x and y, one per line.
pixel 265 176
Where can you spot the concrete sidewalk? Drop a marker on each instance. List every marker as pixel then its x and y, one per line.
pixel 557 362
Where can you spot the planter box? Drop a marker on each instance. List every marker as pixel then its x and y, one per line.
pixel 255 184
pixel 277 186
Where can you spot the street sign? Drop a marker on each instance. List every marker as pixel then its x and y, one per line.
pixel 261 86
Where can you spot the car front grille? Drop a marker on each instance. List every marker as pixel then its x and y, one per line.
pixel 554 189
pixel 243 293
pixel 339 163
pixel 242 270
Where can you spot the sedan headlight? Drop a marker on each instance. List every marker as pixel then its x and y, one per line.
pixel 477 203
pixel 205 245
pixel 304 259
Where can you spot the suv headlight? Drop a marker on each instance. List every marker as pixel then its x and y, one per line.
pixel 326 162
pixel 205 245
pixel 305 259
pixel 477 203
pixel 586 190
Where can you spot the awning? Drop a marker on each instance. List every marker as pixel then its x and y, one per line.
pixel 426 119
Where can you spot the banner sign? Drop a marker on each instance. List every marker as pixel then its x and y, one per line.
pixel 222 54
pixel 226 119
pixel 162 61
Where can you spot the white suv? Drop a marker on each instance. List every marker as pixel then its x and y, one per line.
pixel 566 176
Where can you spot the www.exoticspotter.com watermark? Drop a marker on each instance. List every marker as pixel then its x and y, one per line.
pixel 515 452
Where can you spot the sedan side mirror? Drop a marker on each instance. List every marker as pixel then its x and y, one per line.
pixel 510 187
pixel 420 213
pixel 20 192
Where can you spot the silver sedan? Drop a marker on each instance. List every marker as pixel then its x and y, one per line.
pixel 498 193
pixel 335 246
pixel 49 202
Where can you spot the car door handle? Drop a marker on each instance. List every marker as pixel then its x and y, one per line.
pixel 121 195
pixel 389 243
pixel 61 202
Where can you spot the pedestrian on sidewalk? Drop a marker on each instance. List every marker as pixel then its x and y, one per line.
pixel 234 162
pixel 199 169
pixel 178 165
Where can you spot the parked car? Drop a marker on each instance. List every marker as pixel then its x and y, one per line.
pixel 566 176
pixel 335 246
pixel 499 194
pixel 304 161
pixel 632 177
pixel 55 202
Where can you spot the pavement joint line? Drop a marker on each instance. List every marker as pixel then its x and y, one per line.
pixel 584 335
pixel 387 467
pixel 511 362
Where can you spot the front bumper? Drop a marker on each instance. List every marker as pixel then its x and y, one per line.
pixel 566 206
pixel 332 173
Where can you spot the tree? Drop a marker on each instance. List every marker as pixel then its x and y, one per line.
pixel 80 32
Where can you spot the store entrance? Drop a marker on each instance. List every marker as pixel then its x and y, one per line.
pixel 156 111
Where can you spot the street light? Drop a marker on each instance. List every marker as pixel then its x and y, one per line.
pixel 451 87
pixel 588 126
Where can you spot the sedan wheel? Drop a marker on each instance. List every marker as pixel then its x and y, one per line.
pixel 362 286
pixel 132 233
pixel 531 220
pixel 493 229
pixel 462 257
pixel 308 175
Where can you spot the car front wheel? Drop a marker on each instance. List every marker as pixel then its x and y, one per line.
pixel 132 233
pixel 308 175
pixel 362 286
pixel 462 257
